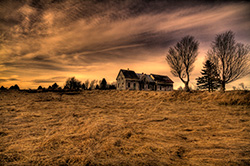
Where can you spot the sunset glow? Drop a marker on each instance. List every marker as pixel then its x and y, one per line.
pixel 49 41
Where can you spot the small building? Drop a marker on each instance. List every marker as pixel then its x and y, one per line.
pixel 128 79
pixel 163 83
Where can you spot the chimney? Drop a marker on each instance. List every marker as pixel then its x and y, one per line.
pixel 128 68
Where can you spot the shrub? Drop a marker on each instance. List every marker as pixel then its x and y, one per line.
pixel 15 87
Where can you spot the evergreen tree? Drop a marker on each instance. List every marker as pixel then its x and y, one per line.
pixel 40 88
pixel 210 79
pixel 3 88
pixel 83 86
pixel 103 84
pixel 16 87
pixel 55 86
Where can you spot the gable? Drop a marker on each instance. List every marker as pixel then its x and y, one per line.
pixel 128 74
pixel 145 77
pixel 120 73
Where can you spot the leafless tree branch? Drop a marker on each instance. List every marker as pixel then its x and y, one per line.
pixel 181 58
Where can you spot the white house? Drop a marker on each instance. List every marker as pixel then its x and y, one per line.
pixel 128 79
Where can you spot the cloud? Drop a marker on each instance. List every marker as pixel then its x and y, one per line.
pixel 43 81
pixel 86 36
pixel 29 66
pixel 50 80
pixel 10 79
pixel 58 78
pixel 3 80
pixel 13 79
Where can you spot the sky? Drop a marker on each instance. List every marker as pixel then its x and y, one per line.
pixel 47 41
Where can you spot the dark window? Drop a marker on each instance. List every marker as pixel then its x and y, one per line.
pixel 129 84
pixel 134 85
pixel 160 87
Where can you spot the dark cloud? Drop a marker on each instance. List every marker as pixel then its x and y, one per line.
pixel 50 80
pixel 32 65
pixel 43 81
pixel 42 58
pixel 13 79
pixel 58 78
pixel 10 79
pixel 3 80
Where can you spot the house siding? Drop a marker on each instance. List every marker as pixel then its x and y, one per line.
pixel 121 82
pixel 132 85
pixel 164 87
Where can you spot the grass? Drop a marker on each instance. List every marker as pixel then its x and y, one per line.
pixel 125 128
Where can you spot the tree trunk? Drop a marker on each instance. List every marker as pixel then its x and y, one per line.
pixel 223 82
pixel 186 88
pixel 223 86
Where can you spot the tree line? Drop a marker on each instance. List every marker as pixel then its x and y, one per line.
pixel 72 84
pixel 226 61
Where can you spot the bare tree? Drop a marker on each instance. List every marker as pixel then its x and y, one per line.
pixel 72 83
pixel 242 86
pixel 181 58
pixel 231 58
pixel 180 88
pixel 92 84
pixel 86 84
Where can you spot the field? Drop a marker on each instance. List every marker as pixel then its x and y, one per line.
pixel 125 128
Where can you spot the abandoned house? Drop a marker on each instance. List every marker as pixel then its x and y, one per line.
pixel 128 79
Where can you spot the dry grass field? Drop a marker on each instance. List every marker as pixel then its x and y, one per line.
pixel 125 128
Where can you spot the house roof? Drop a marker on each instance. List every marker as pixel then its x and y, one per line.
pixel 161 79
pixel 129 74
pixel 149 79
pixel 139 75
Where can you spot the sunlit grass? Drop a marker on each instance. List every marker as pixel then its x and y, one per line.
pixel 125 128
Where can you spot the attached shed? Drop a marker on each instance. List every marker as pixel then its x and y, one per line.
pixel 162 83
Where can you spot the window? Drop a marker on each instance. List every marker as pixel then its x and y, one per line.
pixel 160 87
pixel 129 84
pixel 134 85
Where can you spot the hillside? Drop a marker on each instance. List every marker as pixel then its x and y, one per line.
pixel 125 128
